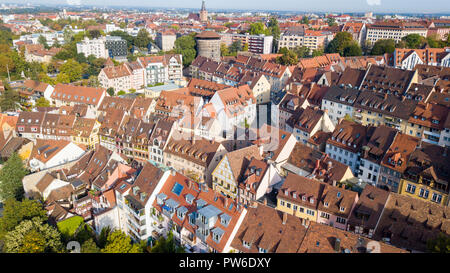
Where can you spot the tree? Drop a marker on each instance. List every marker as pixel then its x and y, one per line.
pixel 103 237
pixel 302 51
pixel 62 78
pixel 33 236
pixel 89 246
pixel 94 34
pixel 288 58
pixel 72 69
pixel 341 41
pixel 305 20
pixel 352 50
pixel 11 176
pixel 42 102
pixel 9 100
pixel 43 41
pixel 383 46
pixel 166 245
pixel 119 242
pixel 185 45
pixel 258 28
pixel 439 245
pixel 317 52
pixel 93 81
pixel 235 47
pixel 15 212
pixel 414 41
pixel 275 31
pixel 331 22
pixel 142 39
pixel 224 50
pixel 111 91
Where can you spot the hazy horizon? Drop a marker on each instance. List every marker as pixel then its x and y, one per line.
pixel 381 6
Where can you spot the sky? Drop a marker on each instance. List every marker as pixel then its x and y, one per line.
pixel 391 6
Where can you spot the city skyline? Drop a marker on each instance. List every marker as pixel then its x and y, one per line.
pixel 377 6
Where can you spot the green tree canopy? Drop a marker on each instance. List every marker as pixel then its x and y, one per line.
pixel 33 236
pixel 42 102
pixel 383 46
pixel 9 100
pixel 15 212
pixel 142 39
pixel 341 41
pixel 119 242
pixel 439 245
pixel 94 34
pixel 289 57
pixel 414 41
pixel 11 176
pixel 331 22
pixel 258 28
pixel 72 69
pixel 305 20
pixel 302 51
pixel 185 45
pixel 89 246
pixel 166 245
pixel 43 41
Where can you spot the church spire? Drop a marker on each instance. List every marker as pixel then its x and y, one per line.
pixel 203 6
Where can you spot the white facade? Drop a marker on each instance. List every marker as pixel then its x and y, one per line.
pixel 94 47
pixel 336 110
pixel 369 171
pixel 344 156
pixel 69 153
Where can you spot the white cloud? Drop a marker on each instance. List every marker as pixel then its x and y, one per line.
pixel 74 2
pixel 373 2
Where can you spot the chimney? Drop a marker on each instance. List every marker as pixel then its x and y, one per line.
pixel 284 218
pixel 337 245
pixel 265 201
pixel 173 172
pixel 58 175
pixel 385 96
pixel 225 202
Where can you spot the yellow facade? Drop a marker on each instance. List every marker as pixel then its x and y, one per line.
pixel 300 211
pixel 403 190
pixel 90 141
pixel 374 118
pixel 223 180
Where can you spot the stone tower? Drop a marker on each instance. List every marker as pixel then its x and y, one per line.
pixel 208 45
pixel 203 13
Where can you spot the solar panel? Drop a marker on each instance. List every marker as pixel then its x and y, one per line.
pixel 177 188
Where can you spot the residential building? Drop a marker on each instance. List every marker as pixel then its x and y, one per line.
pixel 194 157
pixel 51 153
pixel 94 47
pixel 346 142
pixel 408 58
pixel 393 30
pixel 335 206
pixel 258 44
pixel 299 196
pixel 304 123
pixel 367 212
pixel 427 174
pixel 395 161
pixel 427 122
pixel 228 173
pixel 339 103
pixel 162 69
pixel 311 163
pixel 208 226
pixel 373 152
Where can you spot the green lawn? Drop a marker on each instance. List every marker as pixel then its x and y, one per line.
pixel 69 226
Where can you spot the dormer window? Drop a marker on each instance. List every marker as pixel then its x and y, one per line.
pixel 326 204
pixel 246 244
pixel 311 200
pixel 342 209
pixel 304 198
pixel 262 250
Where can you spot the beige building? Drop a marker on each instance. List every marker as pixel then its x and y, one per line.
pixel 208 44
pixel 393 30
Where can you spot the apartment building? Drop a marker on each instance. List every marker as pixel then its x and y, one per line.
pixel 228 173
pixel 408 58
pixel 373 152
pixel 94 47
pixel 427 174
pixel 346 142
pixel 258 44
pixel 311 39
pixel 339 103
pixel 393 30
pixel 162 69
pixel 395 161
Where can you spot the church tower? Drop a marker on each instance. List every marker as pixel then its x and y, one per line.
pixel 203 13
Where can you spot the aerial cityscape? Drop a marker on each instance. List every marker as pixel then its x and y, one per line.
pixel 224 127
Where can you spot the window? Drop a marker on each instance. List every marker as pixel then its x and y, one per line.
pixel 246 244
pixel 310 212
pixel 436 198
pixel 411 188
pixel 340 220
pixel 424 193
pixel 325 215
pixel 262 250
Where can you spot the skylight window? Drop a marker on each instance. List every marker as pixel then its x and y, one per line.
pixel 177 188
